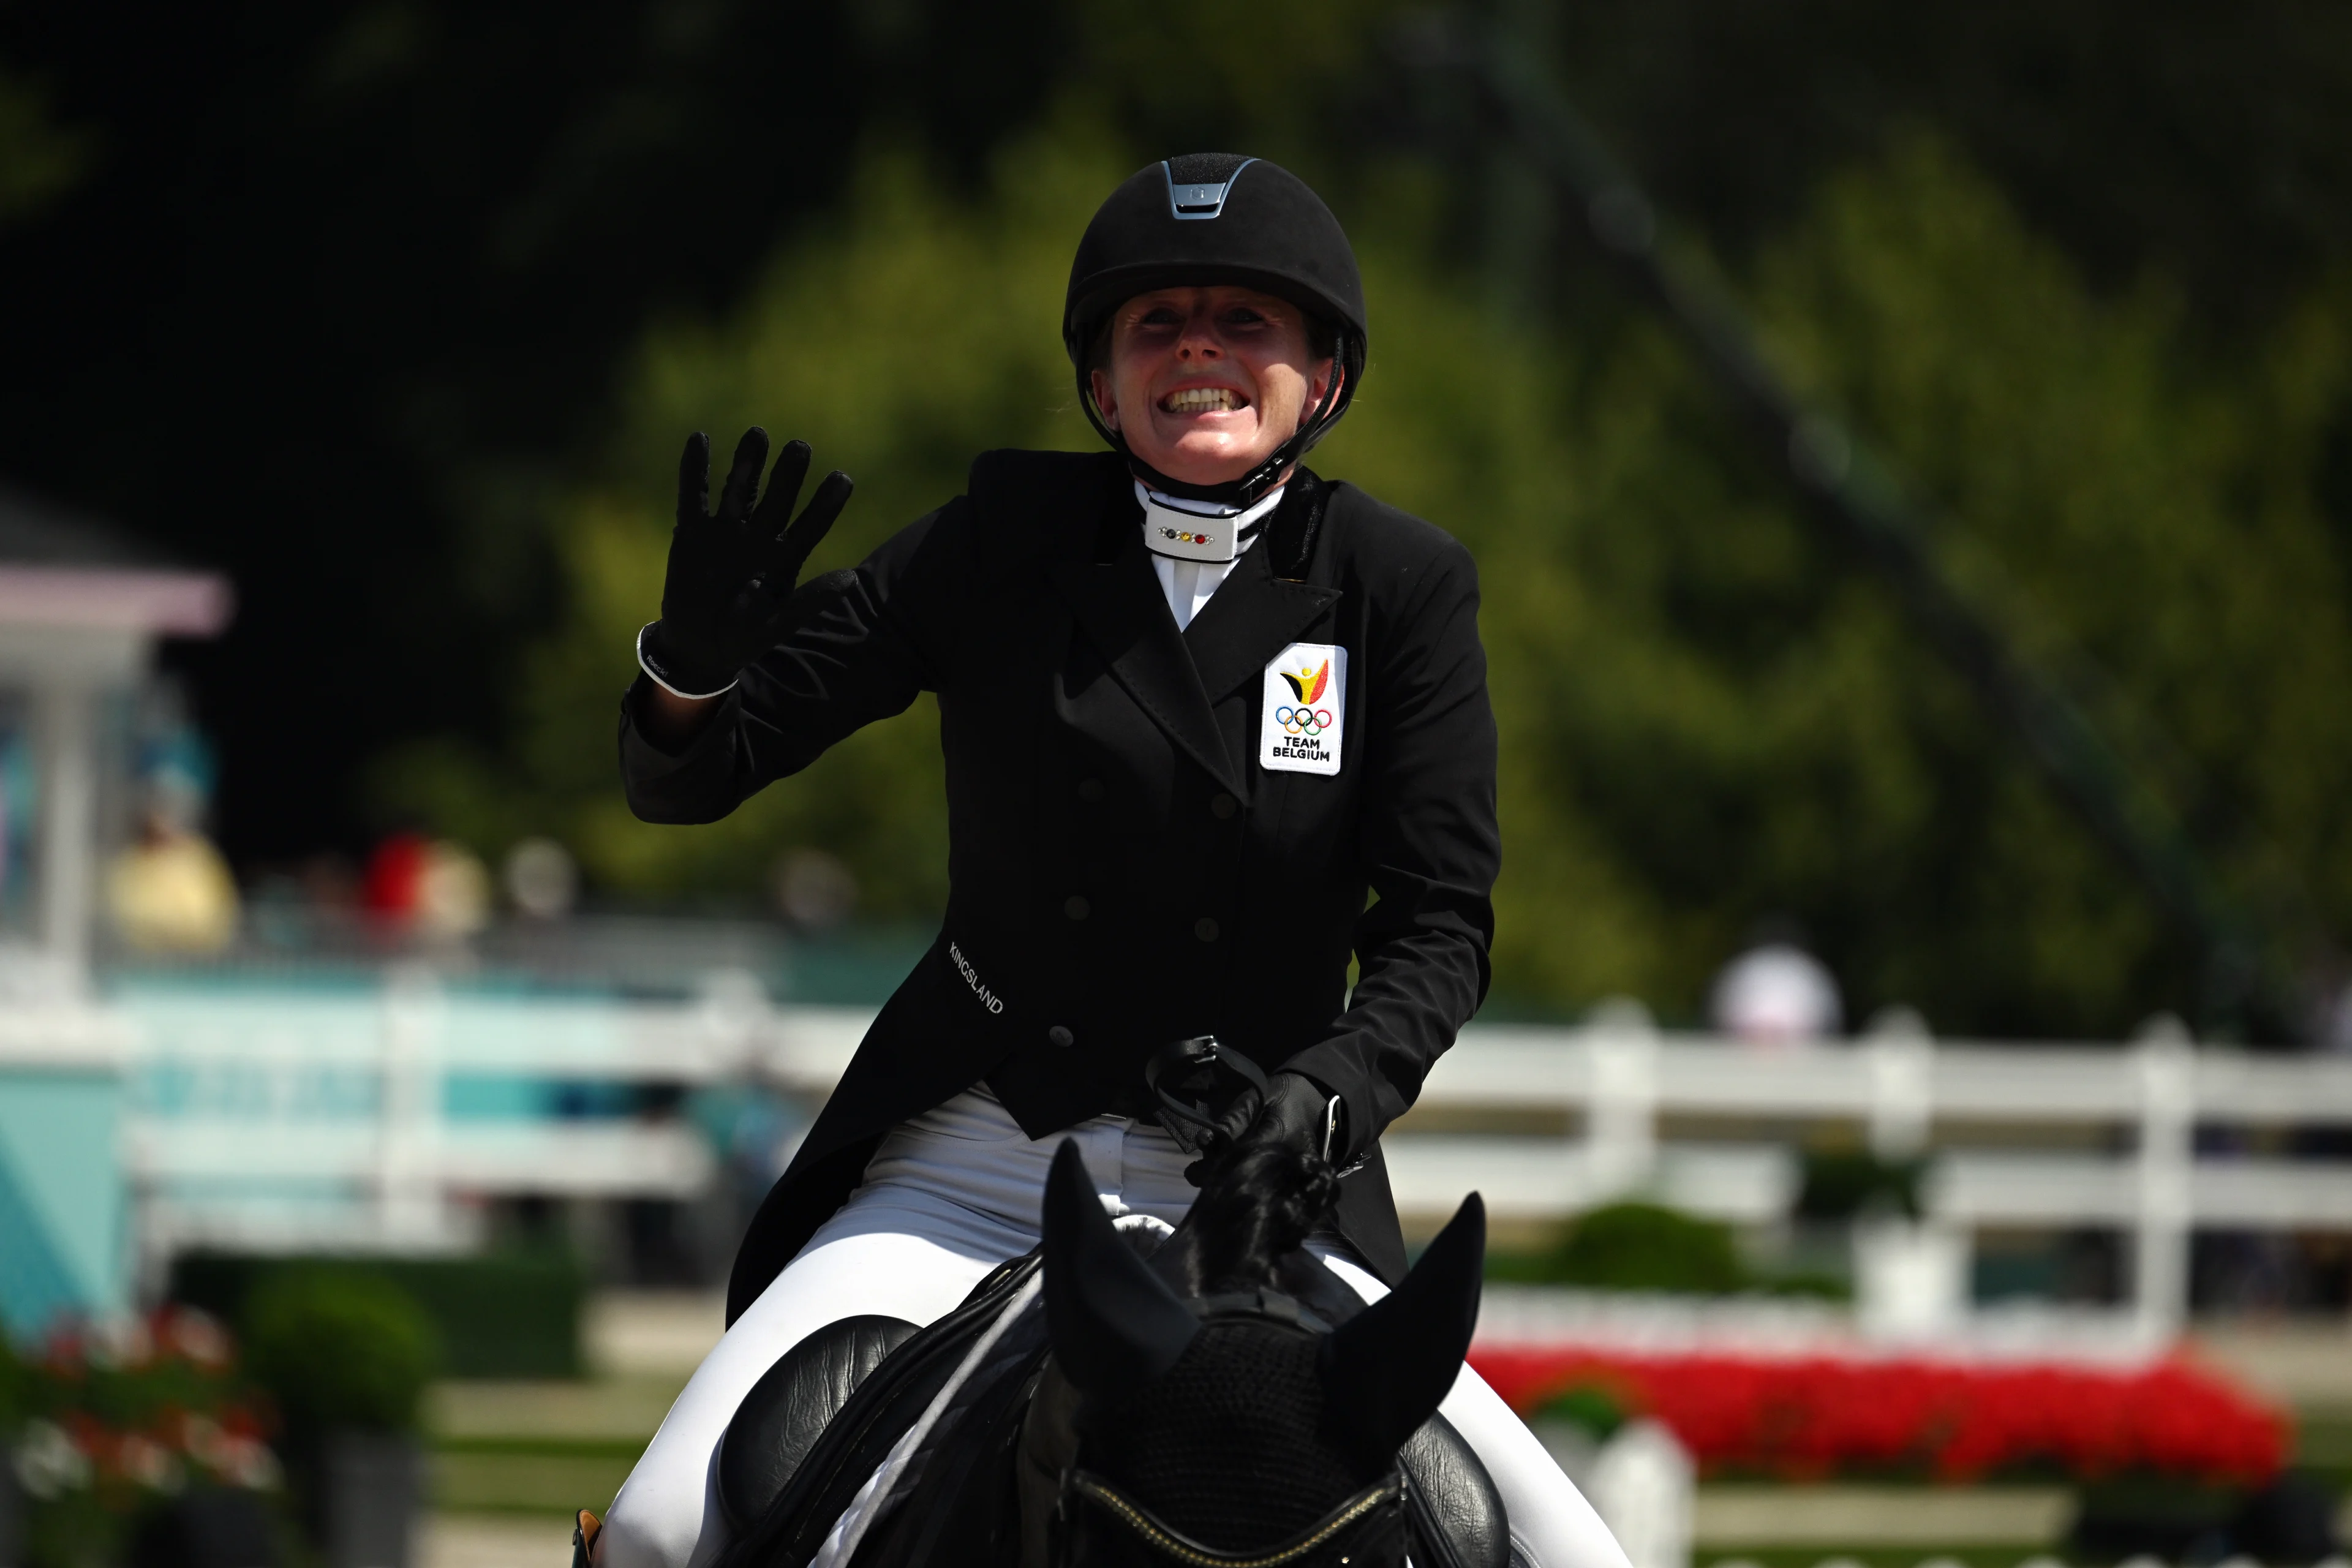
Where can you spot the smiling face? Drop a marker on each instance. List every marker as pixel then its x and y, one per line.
pixel 1205 384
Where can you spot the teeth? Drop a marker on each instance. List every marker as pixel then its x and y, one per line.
pixel 1200 400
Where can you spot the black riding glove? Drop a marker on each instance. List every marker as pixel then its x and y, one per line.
pixel 730 575
pixel 1293 1110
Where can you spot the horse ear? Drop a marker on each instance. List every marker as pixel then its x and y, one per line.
pixel 1386 1369
pixel 1115 1325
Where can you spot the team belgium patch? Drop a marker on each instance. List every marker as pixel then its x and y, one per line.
pixel 1306 709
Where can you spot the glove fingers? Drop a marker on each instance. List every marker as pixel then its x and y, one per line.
pixel 694 479
pixel 783 489
pixel 743 478
pixel 794 545
pixel 1239 1116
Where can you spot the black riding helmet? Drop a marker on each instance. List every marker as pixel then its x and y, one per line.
pixel 1215 217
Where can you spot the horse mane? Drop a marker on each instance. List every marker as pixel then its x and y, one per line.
pixel 1259 1205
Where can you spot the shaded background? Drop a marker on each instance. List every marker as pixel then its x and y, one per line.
pixel 397 313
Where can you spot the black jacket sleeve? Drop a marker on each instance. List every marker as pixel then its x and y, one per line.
pixel 1433 847
pixel 860 645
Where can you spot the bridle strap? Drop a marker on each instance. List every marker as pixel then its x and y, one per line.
pixel 1178 1547
pixel 1272 1305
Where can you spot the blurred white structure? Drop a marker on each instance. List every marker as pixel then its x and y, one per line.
pixel 1643 1486
pixel 266 1114
pixel 1910 1278
pixel 1614 1080
pixel 81 611
pixel 264 1117
pixel 1641 1481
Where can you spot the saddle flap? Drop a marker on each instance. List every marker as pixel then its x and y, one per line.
pixel 788 1410
pixel 1454 1506
pixel 865 1427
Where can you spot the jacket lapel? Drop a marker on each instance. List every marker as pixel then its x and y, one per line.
pixel 1120 609
pixel 1252 617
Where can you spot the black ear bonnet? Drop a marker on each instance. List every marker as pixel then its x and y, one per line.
pixel 1114 1323
pixel 1166 1388
pixel 1217 217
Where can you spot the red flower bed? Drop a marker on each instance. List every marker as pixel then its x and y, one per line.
pixel 105 1424
pixel 1807 1419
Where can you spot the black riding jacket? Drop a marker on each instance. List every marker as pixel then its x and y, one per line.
pixel 1123 869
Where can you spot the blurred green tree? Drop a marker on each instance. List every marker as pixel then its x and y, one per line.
pixel 343 288
pixel 904 340
pixel 1707 718
pixel 39 159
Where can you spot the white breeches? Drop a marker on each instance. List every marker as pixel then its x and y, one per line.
pixel 947 1197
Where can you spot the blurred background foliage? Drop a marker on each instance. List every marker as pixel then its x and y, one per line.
pixel 404 309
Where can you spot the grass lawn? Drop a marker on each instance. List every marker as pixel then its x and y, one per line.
pixel 540 1448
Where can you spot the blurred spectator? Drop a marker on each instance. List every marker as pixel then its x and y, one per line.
pixel 1776 994
pixel 170 891
pixel 814 888
pixel 437 890
pixel 541 879
pixel 329 882
pixel 396 876
pixel 454 897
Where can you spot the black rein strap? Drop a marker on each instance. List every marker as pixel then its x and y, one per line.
pixel 1180 1059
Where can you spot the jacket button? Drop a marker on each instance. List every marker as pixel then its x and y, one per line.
pixel 1076 907
pixel 1205 928
pixel 1090 791
pixel 1059 1035
pixel 1222 807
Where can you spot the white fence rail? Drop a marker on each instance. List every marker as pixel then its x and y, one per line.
pixel 291 1118
pixel 1617 1078
pixel 338 1097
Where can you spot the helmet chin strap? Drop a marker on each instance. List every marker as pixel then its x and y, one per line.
pixel 1246 490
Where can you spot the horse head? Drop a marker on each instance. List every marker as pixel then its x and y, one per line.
pixel 1221 1422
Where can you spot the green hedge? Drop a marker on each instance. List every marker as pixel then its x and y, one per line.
pixel 507 1314
pixel 1636 1245
pixel 339 1348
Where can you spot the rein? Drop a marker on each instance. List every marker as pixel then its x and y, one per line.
pixel 1191 1067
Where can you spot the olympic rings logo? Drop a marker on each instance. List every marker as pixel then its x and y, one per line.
pixel 1303 721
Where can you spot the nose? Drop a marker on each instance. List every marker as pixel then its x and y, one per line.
pixel 1198 340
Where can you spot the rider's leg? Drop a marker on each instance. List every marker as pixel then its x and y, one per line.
pixel 1551 1523
pixel 947 1197
pixel 666 1513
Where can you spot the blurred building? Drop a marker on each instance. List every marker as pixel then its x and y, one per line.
pixel 81 610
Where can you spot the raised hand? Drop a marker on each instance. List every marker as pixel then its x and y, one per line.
pixel 731 572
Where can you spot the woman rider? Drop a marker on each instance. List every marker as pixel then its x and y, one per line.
pixel 1196 704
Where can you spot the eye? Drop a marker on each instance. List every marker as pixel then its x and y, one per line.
pixel 1159 316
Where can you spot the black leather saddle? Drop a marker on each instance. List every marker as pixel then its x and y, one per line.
pixel 825 1417
pixel 789 1407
